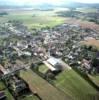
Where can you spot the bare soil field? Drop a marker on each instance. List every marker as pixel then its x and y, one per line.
pixel 83 24
pixel 91 42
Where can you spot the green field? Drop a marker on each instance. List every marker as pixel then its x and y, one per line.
pixel 7 93
pixel 95 79
pixel 2 86
pixel 34 18
pixel 75 86
pixel 43 68
pixel 45 90
pixel 31 97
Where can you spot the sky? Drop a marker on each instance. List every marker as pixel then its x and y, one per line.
pixel 56 2
pixel 87 1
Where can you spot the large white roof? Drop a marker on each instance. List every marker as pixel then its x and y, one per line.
pixel 53 61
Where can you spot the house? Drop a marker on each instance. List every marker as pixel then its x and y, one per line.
pixel 86 64
pixel 3 70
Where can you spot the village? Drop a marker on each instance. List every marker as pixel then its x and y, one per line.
pixel 59 48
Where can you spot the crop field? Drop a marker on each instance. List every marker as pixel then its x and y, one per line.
pixel 31 97
pixel 34 19
pixel 75 86
pixel 39 19
pixel 45 90
pixel 95 79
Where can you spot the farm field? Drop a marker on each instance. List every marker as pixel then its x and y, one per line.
pixel 31 97
pixel 34 19
pixel 45 90
pixel 95 79
pixel 82 23
pixel 91 42
pixel 74 85
pixel 39 19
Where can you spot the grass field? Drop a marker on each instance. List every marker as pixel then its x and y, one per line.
pixel 42 87
pixel 31 97
pixel 95 79
pixel 38 19
pixel 75 86
pixel 7 93
pixel 2 86
pixel 34 18
pixel 43 68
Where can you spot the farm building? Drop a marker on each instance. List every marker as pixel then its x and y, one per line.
pixel 55 63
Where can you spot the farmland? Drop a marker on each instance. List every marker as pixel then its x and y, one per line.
pixel 92 42
pixel 39 19
pixel 33 18
pixel 66 84
pixel 42 87
pixel 95 79
pixel 74 85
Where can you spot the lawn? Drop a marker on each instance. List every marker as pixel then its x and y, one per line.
pixel 45 90
pixel 74 85
pixel 43 68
